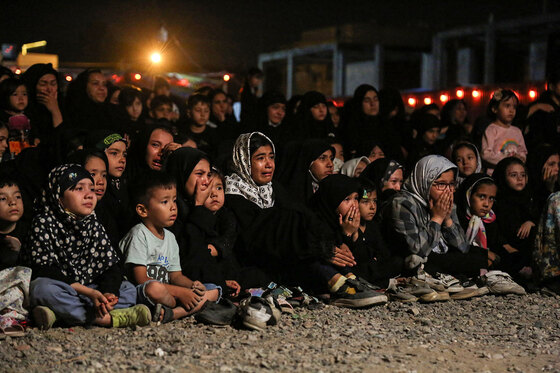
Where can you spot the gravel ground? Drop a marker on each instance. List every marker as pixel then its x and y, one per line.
pixel 487 334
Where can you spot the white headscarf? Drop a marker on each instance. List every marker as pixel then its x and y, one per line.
pixel 349 167
pixel 240 182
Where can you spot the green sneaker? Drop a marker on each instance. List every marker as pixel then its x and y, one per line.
pixel 44 317
pixel 138 315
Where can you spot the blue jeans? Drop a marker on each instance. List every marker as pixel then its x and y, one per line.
pixel 68 305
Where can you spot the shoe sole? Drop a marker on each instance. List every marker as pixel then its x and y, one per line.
pixel 42 318
pixel 395 298
pixel 428 298
pixel 359 303
pixel 254 325
pixel 464 295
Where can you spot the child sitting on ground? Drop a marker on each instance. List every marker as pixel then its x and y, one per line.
pixel 14 281
pixel 152 253
pixel 76 276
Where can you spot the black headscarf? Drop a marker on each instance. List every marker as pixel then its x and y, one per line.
pixel 39 115
pixel 307 126
pixel 180 165
pixel 332 191
pixel 79 248
pixel 380 171
pixel 293 171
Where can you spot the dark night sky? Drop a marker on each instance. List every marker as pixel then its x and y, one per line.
pixel 221 34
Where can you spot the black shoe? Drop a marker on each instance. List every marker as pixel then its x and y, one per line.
pixel 217 313
pixel 353 294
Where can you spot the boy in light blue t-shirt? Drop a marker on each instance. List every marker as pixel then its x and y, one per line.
pixel 152 254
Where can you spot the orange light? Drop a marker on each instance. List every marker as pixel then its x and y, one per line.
pixel 532 94
pixel 444 98
pixel 114 76
pixel 427 101
pixel 460 93
pixel 411 101
pixel 18 71
pixel 227 77
pixel 137 76
pixel 68 78
pixel 183 82
pixel 476 93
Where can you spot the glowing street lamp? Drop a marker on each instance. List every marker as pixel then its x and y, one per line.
pixel 155 57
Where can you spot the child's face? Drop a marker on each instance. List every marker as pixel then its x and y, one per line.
pixel 18 99
pixel 376 153
pixel 81 200
pixel 466 161
pixel 323 166
pixel 319 112
pixel 200 114
pixel 335 116
pixel 516 177
pixel 135 109
pixel 347 203
pixel 482 200
pixel 116 154
pixel 360 168
pixel 97 169
pixel 370 104
pixel 263 165
pixel 158 140
pixel 395 181
pixel 216 198
pixel 201 175
pixel 431 135
pixel 163 111
pixel 162 207
pixel 3 140
pixel 459 113
pixel 368 206
pixel 339 151
pixel 97 87
pixel 11 204
pixel 505 112
pixel 276 112
pixel 445 182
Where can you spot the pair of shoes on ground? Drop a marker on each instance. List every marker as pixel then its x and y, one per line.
pixel 357 293
pixel 139 315
pixel 257 313
pixel 407 290
pixel 440 282
pixel 499 282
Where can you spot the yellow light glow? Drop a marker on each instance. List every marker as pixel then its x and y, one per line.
pixel 444 98
pixel 476 93
pixel 411 101
pixel 427 101
pixel 532 93
pixel 155 57
pixel 460 93
pixel 137 76
pixel 36 44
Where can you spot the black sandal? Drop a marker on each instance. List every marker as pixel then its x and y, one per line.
pixel 167 313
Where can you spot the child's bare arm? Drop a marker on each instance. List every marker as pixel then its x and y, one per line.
pixel 140 274
pixel 179 279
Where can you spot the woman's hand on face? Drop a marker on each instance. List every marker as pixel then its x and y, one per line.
pixel 343 257
pixel 201 192
pixel 550 175
pixel 350 223
pixel 49 100
pixel 525 229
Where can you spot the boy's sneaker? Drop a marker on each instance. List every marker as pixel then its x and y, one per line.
pixel 138 315
pixel 353 294
pixel 499 282
pixel 44 317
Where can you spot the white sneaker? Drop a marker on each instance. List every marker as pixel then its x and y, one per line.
pixel 499 282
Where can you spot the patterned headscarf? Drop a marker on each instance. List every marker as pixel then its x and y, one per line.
pixel 240 182
pixel 349 167
pixel 425 172
pixel 79 248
